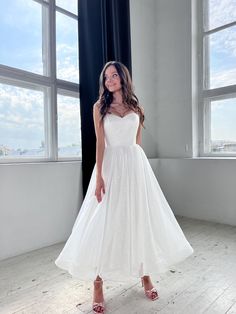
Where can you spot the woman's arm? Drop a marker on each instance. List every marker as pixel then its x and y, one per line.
pixel 139 132
pixel 100 142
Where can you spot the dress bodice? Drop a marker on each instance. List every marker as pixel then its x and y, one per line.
pixel 121 131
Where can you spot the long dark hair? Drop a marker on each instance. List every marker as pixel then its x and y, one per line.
pixel 129 98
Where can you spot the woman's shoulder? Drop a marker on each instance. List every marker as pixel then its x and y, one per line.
pixel 96 111
pixel 97 105
pixel 139 109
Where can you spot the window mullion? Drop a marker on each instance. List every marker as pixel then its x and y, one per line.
pixel 201 81
pixel 206 125
pixel 220 92
pixel 51 112
pixel 67 13
pixel 220 28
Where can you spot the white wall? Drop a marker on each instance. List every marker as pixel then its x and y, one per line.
pixel 39 203
pixel 173 34
pixel 161 57
pixel 144 50
pixel 200 188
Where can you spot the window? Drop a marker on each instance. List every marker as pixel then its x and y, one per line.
pixel 218 80
pixel 39 81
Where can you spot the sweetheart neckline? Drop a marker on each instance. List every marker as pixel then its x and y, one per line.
pixel 110 113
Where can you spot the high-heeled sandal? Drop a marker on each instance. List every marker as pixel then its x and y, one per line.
pixel 151 294
pixel 98 307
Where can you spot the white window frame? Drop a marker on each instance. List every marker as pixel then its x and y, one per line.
pixel 206 95
pixel 50 83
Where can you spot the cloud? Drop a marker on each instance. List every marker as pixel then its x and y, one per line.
pixel 63 48
pixel 223 78
pixel 21 109
pixel 68 72
pixel 67 63
pixel 66 26
pixel 68 120
pixel 224 41
pixel 21 14
pixel 221 12
pixel 16 98
pixel 217 105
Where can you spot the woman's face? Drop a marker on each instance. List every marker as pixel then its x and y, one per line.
pixel 112 79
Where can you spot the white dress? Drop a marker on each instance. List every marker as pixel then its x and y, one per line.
pixel 132 232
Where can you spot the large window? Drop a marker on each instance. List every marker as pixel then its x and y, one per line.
pixel 39 81
pixel 218 80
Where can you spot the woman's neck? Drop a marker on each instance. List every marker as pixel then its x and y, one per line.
pixel 117 97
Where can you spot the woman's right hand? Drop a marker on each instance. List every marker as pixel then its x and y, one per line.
pixel 100 186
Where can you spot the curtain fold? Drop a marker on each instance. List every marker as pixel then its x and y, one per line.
pixel 104 35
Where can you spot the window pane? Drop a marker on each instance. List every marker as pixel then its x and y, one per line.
pixel 69 5
pixel 67 48
pixel 220 12
pixel 21 35
pixel 22 122
pixel 222 58
pixel 69 126
pixel 223 127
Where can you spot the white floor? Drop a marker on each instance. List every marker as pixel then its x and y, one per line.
pixel 203 283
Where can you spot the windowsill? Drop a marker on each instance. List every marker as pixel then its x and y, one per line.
pixel 41 162
pixel 211 157
pixel 198 158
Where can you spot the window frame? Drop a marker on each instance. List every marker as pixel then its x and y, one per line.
pixel 205 94
pixel 49 82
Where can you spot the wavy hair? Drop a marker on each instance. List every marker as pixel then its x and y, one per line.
pixel 129 98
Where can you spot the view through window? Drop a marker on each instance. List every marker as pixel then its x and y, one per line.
pixel 39 81
pixel 219 90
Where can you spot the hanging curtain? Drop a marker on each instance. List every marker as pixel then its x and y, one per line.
pixel 104 35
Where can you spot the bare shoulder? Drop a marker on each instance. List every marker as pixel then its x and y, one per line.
pixel 99 129
pixel 96 106
pixel 96 110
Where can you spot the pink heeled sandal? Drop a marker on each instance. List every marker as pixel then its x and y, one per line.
pixel 98 307
pixel 151 294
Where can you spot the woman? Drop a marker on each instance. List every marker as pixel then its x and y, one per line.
pixel 125 227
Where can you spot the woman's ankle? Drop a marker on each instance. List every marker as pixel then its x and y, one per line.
pixel 98 278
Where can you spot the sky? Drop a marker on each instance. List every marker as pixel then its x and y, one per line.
pixel 22 110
